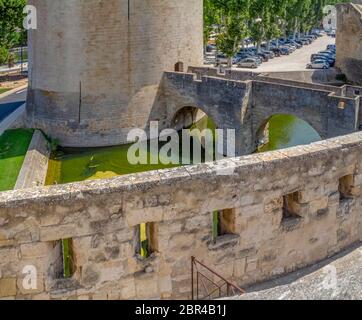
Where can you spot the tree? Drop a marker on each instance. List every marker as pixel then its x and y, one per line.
pixel 11 27
pixel 263 20
pixel 232 19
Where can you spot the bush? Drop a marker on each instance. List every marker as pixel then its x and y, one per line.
pixel 4 53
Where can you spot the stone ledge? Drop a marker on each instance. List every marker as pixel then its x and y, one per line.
pixel 35 166
pixel 149 180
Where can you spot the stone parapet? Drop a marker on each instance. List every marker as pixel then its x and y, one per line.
pixel 101 217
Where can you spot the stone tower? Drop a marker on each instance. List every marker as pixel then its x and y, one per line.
pixel 96 65
pixel 349 40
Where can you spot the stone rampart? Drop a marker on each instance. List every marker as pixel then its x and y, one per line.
pixel 288 209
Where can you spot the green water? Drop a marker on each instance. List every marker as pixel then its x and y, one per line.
pixel 287 131
pixel 70 165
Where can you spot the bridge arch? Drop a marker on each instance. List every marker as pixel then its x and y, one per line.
pixel 283 130
pixel 186 116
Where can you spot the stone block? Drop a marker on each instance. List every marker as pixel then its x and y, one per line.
pixel 35 250
pixel 7 287
pixel 165 285
pixel 239 268
pixel 128 288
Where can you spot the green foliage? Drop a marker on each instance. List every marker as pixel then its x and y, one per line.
pixel 11 23
pixel 263 20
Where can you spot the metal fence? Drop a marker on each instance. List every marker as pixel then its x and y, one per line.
pixel 17 62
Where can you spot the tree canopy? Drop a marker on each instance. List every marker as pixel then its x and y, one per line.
pixel 12 32
pixel 262 20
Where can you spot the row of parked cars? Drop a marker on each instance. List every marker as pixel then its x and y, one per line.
pixel 250 57
pixel 323 59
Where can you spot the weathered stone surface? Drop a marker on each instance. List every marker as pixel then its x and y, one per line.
pixel 7 287
pixel 349 47
pixel 96 215
pixel 96 103
pixel 337 278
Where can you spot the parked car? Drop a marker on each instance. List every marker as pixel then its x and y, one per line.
pixel 270 54
pixel 303 42
pixel 332 33
pixel 331 47
pixel 318 64
pixel 245 55
pixel 307 40
pixel 221 59
pixel 292 47
pixel 248 63
pixel 295 44
pixel 329 60
pixel 264 57
pixel 210 48
pixel 285 50
pixel 329 53
pixel 277 51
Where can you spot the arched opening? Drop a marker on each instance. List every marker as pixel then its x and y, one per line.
pixel 179 67
pixel 282 131
pixel 188 117
pixel 194 125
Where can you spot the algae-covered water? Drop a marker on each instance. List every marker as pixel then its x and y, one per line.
pixel 70 165
pixel 287 131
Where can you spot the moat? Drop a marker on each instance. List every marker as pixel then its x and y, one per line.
pixel 71 165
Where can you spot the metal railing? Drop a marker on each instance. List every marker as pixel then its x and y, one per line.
pixel 212 286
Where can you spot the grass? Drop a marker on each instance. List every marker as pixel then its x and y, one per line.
pixel 66 258
pixel 3 90
pixel 13 147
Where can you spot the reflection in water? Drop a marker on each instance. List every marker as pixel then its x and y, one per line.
pixel 287 131
pixel 70 165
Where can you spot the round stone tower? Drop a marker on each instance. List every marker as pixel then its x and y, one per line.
pixel 96 66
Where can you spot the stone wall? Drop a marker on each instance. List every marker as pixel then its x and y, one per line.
pixel 245 102
pixel 322 182
pixel 319 108
pixel 90 83
pixel 35 166
pixel 349 40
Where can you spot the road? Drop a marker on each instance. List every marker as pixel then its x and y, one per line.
pixel 296 61
pixel 10 103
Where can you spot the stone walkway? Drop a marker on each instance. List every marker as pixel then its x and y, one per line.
pixel 337 278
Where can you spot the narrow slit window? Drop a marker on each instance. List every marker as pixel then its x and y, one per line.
pixel 63 265
pixel 147 239
pixel 223 223
pixel 291 206
pixel 345 187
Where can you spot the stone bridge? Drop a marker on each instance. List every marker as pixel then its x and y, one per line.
pixel 245 102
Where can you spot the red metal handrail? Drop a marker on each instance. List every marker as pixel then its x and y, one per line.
pixel 231 289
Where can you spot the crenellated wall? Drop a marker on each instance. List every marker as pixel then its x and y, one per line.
pixel 101 218
pixel 233 102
